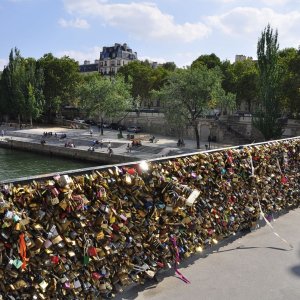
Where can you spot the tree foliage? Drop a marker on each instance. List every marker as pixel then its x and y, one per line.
pixel 210 61
pixel 187 93
pixel 289 91
pixel 22 88
pixel 143 79
pixel 34 99
pixel 246 83
pixel 61 79
pixel 268 88
pixel 267 116
pixel 101 97
pixel 169 66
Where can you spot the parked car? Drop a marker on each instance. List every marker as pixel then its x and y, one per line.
pixel 134 129
pixel 90 122
pixel 117 126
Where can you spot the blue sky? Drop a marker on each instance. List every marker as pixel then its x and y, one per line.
pixel 159 30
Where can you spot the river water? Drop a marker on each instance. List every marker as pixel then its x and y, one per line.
pixel 16 164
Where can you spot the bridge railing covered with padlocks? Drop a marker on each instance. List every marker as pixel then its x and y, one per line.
pixel 85 235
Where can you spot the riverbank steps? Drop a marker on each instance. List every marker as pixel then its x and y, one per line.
pixel 86 236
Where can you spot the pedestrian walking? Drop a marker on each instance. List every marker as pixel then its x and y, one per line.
pixel 2 132
pixel 91 132
pixel 128 148
pixel 110 152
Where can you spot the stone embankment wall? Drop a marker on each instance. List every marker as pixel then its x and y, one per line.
pixel 87 235
pixel 66 152
pixel 155 123
pixel 292 128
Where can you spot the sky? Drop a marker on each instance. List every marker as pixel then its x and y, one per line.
pixel 159 30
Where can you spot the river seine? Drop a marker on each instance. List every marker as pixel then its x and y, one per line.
pixel 16 164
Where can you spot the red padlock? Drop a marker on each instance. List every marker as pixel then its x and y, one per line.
pixel 55 259
pixel 284 180
pixel 96 275
pixel 92 251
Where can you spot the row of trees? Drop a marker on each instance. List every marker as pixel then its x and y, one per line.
pixel 269 87
pixel 262 85
pixel 30 88
pixel 39 89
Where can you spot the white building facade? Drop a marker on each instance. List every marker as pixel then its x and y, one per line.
pixel 113 58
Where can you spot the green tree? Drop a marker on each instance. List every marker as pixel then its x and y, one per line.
pixel 267 115
pixel 210 61
pixel 22 88
pixel 289 91
pixel 34 84
pixel 246 83
pixel 139 75
pixel 187 93
pixel 169 66
pixel 61 77
pixel 229 78
pixel 14 84
pixel 4 95
pixel 101 97
pixel 143 79
pixel 226 102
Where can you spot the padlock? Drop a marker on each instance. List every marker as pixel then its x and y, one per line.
pixel 56 239
pixel 100 235
pixel 102 285
pixel 92 251
pixel 47 244
pixel 104 224
pixel 77 284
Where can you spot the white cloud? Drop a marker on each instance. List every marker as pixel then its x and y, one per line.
pixel 186 58
pixel 159 60
pixel 249 22
pixel 141 20
pixel 3 63
pixel 89 54
pixel 77 23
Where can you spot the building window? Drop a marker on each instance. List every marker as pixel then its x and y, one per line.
pixel 118 62
pixel 105 63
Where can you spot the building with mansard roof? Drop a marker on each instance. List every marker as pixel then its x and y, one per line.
pixel 112 58
pixel 88 67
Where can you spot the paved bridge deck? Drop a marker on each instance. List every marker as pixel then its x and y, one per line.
pixel 255 266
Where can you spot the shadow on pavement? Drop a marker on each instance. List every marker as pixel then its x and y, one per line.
pixel 296 269
pixel 131 292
